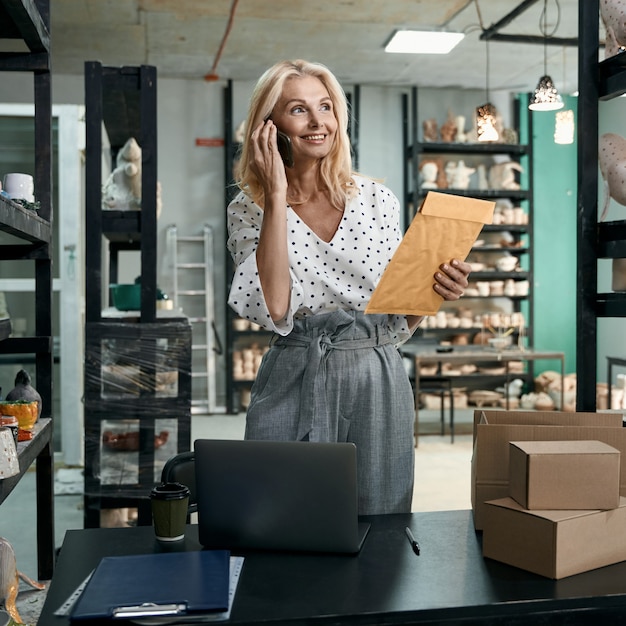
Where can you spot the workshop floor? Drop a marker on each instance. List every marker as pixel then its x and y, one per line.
pixel 442 482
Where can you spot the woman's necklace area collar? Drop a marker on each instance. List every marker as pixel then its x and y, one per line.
pixel 294 204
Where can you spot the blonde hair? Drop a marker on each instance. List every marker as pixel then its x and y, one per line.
pixel 336 168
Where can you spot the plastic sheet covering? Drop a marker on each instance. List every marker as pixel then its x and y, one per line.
pixel 120 449
pixel 137 400
pixel 143 362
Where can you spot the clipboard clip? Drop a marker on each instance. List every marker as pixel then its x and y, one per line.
pixel 148 609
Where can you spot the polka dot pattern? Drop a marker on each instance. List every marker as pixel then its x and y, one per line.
pixel 340 274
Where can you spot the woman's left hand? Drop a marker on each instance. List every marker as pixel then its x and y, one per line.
pixel 452 279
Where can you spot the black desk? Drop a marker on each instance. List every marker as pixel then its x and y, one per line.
pixel 385 584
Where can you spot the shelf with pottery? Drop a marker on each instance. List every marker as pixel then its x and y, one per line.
pixel 612 77
pixel 482 375
pixel 137 371
pixel 248 345
pixel 500 291
pixel 25 24
pixel 599 80
pixel 5 328
pixel 489 148
pixel 612 245
pixel 27 453
pixel 482 194
pixel 461 325
pixel 23 223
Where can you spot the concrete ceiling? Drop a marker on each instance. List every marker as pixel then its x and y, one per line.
pixel 182 39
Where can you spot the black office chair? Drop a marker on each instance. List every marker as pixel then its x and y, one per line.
pixel 181 468
pixel 441 386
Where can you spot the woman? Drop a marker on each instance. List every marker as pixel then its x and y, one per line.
pixel 310 243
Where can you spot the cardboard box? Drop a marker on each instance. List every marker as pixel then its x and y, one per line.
pixel 564 474
pixel 555 544
pixel 545 418
pixel 495 429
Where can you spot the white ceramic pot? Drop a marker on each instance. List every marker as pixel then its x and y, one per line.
pixel 19 186
pixel 506 263
pixel 9 465
pixel 483 288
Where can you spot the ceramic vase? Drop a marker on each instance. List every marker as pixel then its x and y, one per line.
pixel 612 160
pixel 613 14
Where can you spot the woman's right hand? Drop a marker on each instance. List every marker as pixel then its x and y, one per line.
pixel 265 160
pixel 271 254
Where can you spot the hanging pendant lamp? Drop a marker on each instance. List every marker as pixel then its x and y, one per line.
pixel 486 113
pixel 545 97
pixel 486 122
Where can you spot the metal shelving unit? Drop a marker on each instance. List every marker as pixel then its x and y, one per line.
pixel 416 149
pixel 137 363
pixel 28 21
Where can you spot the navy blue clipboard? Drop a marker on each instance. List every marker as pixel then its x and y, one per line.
pixel 150 585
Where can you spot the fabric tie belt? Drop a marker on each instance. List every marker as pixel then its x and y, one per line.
pixel 324 339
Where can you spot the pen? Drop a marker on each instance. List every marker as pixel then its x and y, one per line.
pixel 414 544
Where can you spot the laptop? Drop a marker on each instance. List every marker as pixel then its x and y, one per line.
pixel 278 495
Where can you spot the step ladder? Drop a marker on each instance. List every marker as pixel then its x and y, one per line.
pixel 193 292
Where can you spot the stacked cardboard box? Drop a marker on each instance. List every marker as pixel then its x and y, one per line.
pixel 559 508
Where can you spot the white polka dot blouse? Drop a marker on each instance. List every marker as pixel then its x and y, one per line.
pixel 326 276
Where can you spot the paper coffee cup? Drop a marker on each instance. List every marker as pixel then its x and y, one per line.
pixel 169 511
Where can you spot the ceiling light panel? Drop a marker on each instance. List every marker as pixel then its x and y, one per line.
pixel 423 42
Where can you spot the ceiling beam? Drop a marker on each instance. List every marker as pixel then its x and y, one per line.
pixel 536 39
pixel 492 33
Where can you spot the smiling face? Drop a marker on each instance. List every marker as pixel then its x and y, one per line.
pixel 305 113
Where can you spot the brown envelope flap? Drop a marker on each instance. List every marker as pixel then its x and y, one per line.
pixel 458 207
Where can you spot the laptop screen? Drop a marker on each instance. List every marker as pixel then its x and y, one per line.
pixel 277 495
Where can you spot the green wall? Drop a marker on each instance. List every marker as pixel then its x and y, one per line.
pixel 555 210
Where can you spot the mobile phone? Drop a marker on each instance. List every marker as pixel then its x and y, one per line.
pixel 284 147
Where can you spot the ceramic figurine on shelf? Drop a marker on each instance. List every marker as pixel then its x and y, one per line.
pixel 481 171
pixel 24 391
pixel 612 159
pixel 10 580
pixel 510 136
pixel 502 175
pixel 429 172
pixel 461 176
pixel 613 14
pixel 431 130
pixel 449 129
pixel 441 180
pixel 461 135
pixel 122 189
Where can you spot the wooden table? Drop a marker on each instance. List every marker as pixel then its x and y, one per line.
pixel 425 355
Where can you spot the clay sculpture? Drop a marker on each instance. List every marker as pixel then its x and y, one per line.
pixel 9 580
pixel 612 159
pixel 613 14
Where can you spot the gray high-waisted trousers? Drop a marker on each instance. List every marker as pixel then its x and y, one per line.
pixel 338 377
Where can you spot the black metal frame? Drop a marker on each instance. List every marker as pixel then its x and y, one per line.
pixel 492 33
pixel 29 21
pixel 125 100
